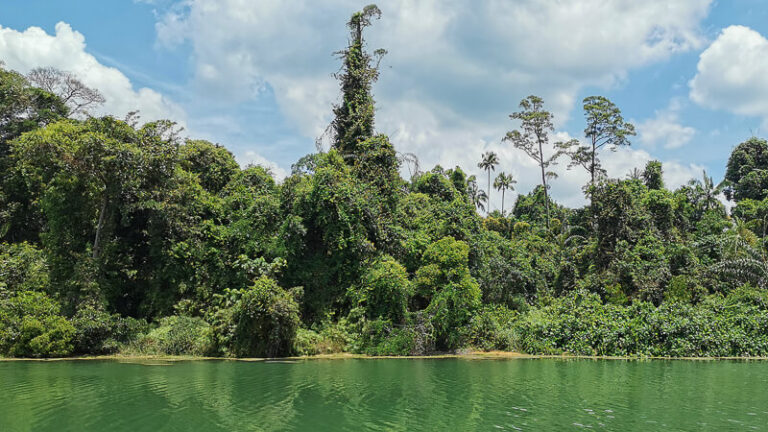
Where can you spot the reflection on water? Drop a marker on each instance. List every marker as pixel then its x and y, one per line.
pixel 397 394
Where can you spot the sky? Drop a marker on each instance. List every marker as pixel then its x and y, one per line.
pixel 257 75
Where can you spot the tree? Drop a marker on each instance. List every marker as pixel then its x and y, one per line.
pixel 23 108
pixel 605 127
pixel 477 196
pixel 446 283
pixel 653 175
pixel 259 321
pixel 705 192
pixel 488 164
pixel 76 95
pixel 504 182
pixel 214 164
pixel 742 263
pixel 354 117
pixel 535 123
pixel 97 186
pixel 384 290
pixel 746 174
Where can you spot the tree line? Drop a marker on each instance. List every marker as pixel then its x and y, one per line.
pixel 122 237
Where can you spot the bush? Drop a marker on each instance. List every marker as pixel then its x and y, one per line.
pixel 98 332
pixel 307 342
pixel 382 338
pixel 94 329
pixel 736 325
pixel 384 290
pixel 22 268
pixel 260 321
pixel 492 328
pixel 452 293
pixel 177 335
pixel 31 325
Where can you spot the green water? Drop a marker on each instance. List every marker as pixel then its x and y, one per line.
pixel 395 394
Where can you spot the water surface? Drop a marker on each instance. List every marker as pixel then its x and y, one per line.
pixel 394 394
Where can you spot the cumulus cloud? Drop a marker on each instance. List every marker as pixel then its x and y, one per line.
pixel 456 68
pixel 250 157
pixel 732 73
pixel 65 50
pixel 489 54
pixel 665 129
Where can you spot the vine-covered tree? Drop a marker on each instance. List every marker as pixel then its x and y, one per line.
pixel 354 116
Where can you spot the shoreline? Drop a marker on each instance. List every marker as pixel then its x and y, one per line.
pixel 470 355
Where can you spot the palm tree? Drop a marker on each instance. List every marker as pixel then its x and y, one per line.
pixel 706 192
pixel 635 174
pixel 477 196
pixel 489 162
pixel 503 182
pixel 742 262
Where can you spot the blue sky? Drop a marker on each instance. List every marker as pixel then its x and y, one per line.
pixel 255 76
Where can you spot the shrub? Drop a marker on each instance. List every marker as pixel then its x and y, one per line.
pixel 452 293
pixel 384 290
pixel 382 338
pixel 98 332
pixel 22 268
pixel 31 325
pixel 260 321
pixel 94 330
pixel 177 335
pixel 492 328
pixel 736 325
pixel 306 342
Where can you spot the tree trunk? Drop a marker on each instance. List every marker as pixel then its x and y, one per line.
pixel 488 209
pixel 99 227
pixel 544 181
pixel 502 201
pixel 592 166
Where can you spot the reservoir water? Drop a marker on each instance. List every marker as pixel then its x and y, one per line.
pixel 390 394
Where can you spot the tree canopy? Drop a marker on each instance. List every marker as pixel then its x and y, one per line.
pixel 120 237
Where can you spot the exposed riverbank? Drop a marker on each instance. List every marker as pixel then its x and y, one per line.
pixel 469 355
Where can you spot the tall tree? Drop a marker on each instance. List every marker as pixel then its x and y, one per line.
pixel 605 127
pixel 653 175
pixel 477 196
pixel 504 182
pixel 75 94
pixel 488 164
pixel 535 124
pixel 746 175
pixel 23 108
pixel 354 116
pixel 705 192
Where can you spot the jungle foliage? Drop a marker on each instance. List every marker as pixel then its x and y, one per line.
pixel 119 237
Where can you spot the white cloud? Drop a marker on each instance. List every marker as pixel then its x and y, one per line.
pixel 252 158
pixel 480 57
pixel 732 73
pixel 665 129
pixel 65 50
pixel 455 68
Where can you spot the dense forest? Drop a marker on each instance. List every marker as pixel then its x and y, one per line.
pixel 118 237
